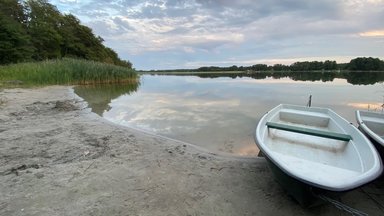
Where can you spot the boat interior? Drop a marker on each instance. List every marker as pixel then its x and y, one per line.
pixel 315 149
pixel 374 122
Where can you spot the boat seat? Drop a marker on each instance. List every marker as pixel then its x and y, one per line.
pixel 309 131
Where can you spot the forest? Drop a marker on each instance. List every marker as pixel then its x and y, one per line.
pixel 34 30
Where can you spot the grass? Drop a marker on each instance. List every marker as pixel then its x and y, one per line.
pixel 65 71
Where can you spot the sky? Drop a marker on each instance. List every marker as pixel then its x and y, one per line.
pixel 174 34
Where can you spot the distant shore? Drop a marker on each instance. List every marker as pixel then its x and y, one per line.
pixel 58 158
pixel 185 71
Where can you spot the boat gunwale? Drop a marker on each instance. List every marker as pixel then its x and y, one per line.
pixel 366 129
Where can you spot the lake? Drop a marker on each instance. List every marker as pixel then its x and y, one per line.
pixel 220 112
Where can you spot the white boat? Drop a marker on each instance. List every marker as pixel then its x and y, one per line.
pixel 317 148
pixel 372 124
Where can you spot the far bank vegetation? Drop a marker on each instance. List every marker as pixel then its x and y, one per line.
pixel 360 64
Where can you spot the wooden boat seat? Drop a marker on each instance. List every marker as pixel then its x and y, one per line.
pixel 310 131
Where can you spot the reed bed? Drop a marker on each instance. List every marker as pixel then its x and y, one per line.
pixel 66 71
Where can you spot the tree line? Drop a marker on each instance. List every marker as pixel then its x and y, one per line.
pixel 357 64
pixel 34 30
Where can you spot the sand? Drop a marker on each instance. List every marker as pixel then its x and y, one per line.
pixel 59 158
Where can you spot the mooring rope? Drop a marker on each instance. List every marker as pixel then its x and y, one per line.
pixel 341 205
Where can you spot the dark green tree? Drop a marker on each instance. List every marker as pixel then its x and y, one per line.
pixel 330 65
pixel 366 64
pixel 280 67
pixel 15 45
pixel 259 67
pixel 43 25
pixel 71 45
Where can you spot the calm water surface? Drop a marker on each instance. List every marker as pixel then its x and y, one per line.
pixel 221 113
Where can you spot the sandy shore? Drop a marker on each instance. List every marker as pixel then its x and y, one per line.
pixel 58 158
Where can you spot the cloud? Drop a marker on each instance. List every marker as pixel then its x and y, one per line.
pixel 184 32
pixel 375 33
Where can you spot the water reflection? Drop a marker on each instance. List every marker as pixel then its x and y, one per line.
pixel 356 78
pixel 361 78
pixel 98 97
pixel 221 114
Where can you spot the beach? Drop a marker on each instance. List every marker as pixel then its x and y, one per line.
pixel 59 158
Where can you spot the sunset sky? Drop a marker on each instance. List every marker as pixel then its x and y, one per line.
pixel 170 34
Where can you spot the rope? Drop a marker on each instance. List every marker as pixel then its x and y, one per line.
pixel 341 206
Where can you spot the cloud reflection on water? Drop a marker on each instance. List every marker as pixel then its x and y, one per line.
pixel 176 111
pixel 221 114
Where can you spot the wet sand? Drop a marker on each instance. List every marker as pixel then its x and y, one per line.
pixel 58 158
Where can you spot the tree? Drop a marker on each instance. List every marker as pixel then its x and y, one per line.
pixel 366 64
pixel 71 45
pixel 15 45
pixel 330 65
pixel 43 24
pixel 280 67
pixel 259 67
pixel 300 66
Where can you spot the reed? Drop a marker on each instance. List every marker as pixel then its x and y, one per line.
pixel 66 71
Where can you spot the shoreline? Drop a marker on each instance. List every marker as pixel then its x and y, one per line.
pixel 58 158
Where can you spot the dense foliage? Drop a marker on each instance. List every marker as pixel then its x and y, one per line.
pixel 36 30
pixel 366 64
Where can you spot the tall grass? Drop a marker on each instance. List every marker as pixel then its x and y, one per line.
pixel 66 71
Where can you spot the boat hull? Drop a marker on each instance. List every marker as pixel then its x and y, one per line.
pixel 303 193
